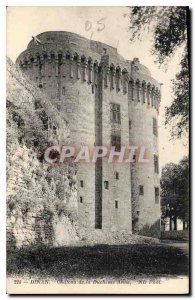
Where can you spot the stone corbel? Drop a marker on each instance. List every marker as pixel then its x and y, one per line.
pixel 71 67
pixel 90 72
pixel 144 93
pixel 125 82
pixel 119 81
pixel 84 71
pixel 152 96
pixel 132 90
pixel 124 85
pixel 78 68
pixel 56 66
pixel 158 101
pixel 112 77
pixel 63 66
pixel 106 77
pixel 138 91
pixel 95 75
pixel 149 95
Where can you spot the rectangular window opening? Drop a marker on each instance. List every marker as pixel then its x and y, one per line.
pixel 81 182
pixel 155 129
pixel 157 195
pixel 81 199
pixel 115 115
pixel 141 190
pixel 116 142
pixel 116 204
pixel 117 175
pixel 106 185
pixel 156 168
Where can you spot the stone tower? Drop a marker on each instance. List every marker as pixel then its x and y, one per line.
pixel 109 101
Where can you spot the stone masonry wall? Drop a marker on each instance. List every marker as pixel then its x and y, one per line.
pixel 142 111
pixel 41 201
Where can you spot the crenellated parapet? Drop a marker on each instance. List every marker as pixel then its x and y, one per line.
pixel 144 92
pixel 53 61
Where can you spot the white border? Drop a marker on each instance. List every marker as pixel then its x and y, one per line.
pixel 3 5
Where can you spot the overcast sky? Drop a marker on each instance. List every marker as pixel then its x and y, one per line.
pixel 23 22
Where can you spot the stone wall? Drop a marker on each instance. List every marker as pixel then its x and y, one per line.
pixel 117 213
pixel 145 208
pixel 41 200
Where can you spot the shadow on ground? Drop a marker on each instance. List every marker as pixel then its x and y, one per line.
pixel 124 261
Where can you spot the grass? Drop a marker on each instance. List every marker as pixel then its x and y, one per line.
pixel 123 261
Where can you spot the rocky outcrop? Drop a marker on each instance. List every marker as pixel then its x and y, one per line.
pixel 41 199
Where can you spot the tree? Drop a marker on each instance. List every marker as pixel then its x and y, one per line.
pixel 169 27
pixel 175 191
pixel 179 109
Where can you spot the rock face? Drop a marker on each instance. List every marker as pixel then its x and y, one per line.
pixel 41 200
pixel 87 82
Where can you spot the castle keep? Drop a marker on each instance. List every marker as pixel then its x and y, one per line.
pixel 109 101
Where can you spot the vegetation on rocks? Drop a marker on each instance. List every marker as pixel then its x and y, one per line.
pixel 39 196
